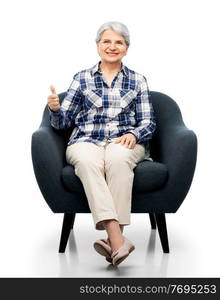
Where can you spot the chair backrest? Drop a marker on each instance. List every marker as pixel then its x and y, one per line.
pixel 167 114
pixel 167 117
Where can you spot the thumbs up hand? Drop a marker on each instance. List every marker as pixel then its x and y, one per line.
pixel 53 100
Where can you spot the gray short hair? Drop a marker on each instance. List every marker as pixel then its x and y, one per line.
pixel 116 26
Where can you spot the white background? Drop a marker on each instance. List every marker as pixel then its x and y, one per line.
pixel 175 44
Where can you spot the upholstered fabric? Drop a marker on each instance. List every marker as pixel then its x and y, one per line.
pixel 159 186
pixel 148 176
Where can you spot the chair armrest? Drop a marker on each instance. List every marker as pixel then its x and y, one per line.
pixel 48 147
pixel 178 144
pixel 178 151
pixel 48 157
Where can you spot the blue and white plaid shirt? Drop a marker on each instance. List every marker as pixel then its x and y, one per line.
pixel 100 113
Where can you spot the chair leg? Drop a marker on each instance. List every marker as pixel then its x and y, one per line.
pixel 152 221
pixel 162 228
pixel 68 220
pixel 73 220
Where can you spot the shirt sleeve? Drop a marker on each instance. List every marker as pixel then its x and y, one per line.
pixel 144 114
pixel 70 107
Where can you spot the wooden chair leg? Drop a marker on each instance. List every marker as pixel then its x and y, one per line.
pixel 162 228
pixel 68 221
pixel 152 221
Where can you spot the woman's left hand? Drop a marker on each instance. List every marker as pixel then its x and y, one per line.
pixel 128 140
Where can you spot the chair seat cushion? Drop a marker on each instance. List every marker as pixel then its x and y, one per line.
pixel 148 176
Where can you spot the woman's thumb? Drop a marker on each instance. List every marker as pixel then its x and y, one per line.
pixel 53 91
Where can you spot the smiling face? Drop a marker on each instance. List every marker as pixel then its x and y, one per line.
pixel 112 46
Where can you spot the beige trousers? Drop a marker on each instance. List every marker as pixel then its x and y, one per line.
pixel 106 173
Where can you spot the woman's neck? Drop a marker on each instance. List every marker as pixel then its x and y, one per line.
pixel 110 68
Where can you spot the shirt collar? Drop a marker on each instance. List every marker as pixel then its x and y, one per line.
pixel 96 68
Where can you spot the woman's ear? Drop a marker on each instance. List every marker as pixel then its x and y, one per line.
pixel 127 50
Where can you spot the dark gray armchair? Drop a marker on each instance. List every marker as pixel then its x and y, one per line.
pixel 160 186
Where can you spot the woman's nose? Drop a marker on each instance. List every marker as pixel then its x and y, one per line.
pixel 112 46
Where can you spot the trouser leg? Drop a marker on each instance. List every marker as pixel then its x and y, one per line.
pixel 119 164
pixel 88 160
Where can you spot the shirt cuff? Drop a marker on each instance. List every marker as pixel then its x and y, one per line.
pixel 55 113
pixel 134 133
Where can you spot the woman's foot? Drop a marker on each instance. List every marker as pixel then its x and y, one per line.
pixel 121 253
pixel 116 242
pixel 103 248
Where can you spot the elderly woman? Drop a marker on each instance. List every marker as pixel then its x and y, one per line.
pixel 111 111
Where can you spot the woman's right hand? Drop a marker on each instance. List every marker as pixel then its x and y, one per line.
pixel 53 100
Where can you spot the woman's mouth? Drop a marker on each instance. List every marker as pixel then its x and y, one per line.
pixel 112 53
